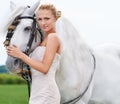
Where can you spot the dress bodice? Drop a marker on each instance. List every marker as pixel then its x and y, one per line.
pixel 38 54
pixel 44 89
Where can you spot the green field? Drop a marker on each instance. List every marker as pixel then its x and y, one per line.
pixel 13 94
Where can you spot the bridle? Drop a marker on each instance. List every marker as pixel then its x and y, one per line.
pixel 26 73
pixel 33 34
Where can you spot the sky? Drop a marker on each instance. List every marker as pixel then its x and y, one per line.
pixel 98 21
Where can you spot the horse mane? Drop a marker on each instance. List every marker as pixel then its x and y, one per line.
pixel 10 18
pixel 69 35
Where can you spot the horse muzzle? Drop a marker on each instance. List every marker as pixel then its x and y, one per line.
pixel 13 65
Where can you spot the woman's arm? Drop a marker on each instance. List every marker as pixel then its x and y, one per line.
pixel 52 46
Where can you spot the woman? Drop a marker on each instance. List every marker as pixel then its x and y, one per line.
pixel 44 60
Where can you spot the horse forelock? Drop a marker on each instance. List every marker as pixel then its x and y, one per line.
pixel 10 18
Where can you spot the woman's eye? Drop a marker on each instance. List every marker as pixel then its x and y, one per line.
pixel 27 28
pixel 47 18
pixel 39 19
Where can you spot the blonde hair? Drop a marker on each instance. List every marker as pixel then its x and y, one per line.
pixel 52 8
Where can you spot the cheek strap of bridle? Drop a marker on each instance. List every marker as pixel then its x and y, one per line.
pixel 32 37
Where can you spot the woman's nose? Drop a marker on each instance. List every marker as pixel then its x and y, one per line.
pixel 43 22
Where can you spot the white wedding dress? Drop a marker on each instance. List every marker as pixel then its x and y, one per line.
pixel 44 89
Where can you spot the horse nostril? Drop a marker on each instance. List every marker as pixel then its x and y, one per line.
pixel 17 66
pixel 16 62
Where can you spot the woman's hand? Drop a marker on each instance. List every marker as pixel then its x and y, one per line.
pixel 14 51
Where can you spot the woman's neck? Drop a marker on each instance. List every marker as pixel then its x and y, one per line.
pixel 51 31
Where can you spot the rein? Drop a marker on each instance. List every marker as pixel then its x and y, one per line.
pixel 26 74
pixel 75 100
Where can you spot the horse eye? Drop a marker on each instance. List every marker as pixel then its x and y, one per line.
pixel 27 28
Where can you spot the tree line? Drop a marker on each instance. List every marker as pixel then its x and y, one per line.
pixel 3 69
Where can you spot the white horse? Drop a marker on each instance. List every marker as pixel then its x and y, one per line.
pixel 106 89
pixel 77 62
pixel 77 65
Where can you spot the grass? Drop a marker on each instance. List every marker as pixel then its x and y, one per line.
pixel 13 94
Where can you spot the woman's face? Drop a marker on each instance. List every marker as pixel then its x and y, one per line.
pixel 46 20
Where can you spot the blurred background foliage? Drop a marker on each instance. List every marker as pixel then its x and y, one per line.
pixel 8 78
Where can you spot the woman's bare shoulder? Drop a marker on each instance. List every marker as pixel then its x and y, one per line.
pixel 53 36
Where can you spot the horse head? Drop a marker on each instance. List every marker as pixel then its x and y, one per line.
pixel 24 33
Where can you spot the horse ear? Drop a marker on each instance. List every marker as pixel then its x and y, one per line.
pixel 12 5
pixel 31 10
